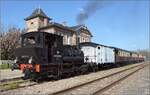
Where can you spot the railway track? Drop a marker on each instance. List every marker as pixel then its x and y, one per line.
pixel 15 83
pixel 11 79
pixel 110 80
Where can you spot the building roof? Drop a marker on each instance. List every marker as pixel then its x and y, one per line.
pixel 73 28
pixel 51 24
pixel 79 27
pixel 41 32
pixel 76 27
pixel 37 13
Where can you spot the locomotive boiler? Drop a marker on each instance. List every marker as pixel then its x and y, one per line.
pixel 43 55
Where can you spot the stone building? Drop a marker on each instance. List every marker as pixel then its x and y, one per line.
pixel 39 21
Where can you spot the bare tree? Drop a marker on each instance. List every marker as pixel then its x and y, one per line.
pixel 9 40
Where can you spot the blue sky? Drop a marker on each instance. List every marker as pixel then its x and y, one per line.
pixel 122 23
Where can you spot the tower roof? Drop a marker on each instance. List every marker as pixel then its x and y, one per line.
pixel 79 27
pixel 37 13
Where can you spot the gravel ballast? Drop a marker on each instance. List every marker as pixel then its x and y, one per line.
pixel 137 84
pixel 8 74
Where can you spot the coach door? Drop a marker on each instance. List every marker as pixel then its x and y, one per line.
pixel 98 54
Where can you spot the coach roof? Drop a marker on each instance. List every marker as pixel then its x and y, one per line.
pixel 92 44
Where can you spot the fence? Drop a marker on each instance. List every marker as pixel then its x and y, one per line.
pixel 6 62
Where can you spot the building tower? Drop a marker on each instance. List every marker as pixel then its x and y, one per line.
pixel 36 20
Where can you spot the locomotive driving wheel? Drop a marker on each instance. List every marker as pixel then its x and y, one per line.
pixel 84 69
pixel 30 74
pixel 26 73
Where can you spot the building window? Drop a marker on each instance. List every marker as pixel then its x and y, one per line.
pixel 83 40
pixel 31 22
pixel 64 41
pixel 68 39
pixel 42 19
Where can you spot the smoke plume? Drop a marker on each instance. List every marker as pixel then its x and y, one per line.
pixel 90 9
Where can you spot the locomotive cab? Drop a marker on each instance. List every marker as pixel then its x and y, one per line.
pixel 37 50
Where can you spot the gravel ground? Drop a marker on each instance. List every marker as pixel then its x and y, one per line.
pixel 95 86
pixel 8 74
pixel 50 87
pixel 137 84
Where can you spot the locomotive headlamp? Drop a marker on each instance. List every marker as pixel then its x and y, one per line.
pixel 30 60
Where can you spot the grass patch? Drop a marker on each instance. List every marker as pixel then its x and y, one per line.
pixel 5 66
pixel 11 85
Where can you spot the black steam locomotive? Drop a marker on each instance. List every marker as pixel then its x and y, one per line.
pixel 43 55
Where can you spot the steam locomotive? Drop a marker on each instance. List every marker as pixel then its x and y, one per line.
pixel 43 55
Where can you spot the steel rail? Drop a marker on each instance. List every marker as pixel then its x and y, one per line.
pixel 89 82
pixel 100 91
pixel 10 79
